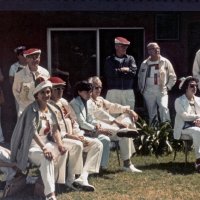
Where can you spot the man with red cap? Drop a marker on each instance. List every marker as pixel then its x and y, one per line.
pixel 24 81
pixel 120 70
pixel 75 140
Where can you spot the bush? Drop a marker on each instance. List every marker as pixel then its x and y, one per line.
pixel 156 138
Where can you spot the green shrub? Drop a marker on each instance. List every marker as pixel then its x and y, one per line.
pixel 156 138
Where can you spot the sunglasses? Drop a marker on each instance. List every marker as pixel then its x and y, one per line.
pixel 98 88
pixel 193 85
pixel 59 88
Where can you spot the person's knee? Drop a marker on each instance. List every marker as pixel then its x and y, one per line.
pixel 105 140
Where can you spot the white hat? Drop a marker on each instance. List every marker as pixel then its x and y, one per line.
pixel 41 83
pixel 183 79
pixel 19 50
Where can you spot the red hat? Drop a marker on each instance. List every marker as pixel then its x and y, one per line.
pixel 56 81
pixel 121 40
pixel 31 51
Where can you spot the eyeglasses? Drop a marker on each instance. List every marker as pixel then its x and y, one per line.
pixel 154 48
pixel 98 88
pixel 59 88
pixel 193 85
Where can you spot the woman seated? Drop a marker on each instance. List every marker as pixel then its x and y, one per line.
pixel 124 125
pixel 30 140
pixel 187 120
pixel 81 105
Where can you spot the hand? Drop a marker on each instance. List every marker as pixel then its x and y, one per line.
pixel 197 122
pixel 133 114
pixel 48 154
pixel 104 132
pixel 85 143
pixel 62 149
pixel 98 126
pixel 122 69
pixel 120 125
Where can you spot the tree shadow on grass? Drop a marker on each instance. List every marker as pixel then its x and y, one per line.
pixel 172 167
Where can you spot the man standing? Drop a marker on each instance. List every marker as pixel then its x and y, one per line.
pixel 156 76
pixel 120 70
pixel 17 66
pixel 24 81
pixel 196 67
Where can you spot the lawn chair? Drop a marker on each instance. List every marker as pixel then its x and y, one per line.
pixel 186 142
pixel 116 148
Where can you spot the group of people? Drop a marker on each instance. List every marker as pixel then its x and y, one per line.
pixel 53 133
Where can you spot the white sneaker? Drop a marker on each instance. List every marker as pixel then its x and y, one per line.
pixel 83 184
pixel 131 168
pixel 71 187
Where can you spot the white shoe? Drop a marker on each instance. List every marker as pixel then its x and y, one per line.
pixel 71 187
pixel 51 198
pixel 83 184
pixel 131 168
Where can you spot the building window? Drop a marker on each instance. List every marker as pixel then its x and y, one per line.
pixel 167 27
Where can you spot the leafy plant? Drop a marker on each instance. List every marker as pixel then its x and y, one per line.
pixel 156 138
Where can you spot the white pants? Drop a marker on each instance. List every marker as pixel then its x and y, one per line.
pixel 126 144
pixel 94 154
pixel 75 159
pixel 8 172
pixel 123 97
pixel 194 133
pixel 51 171
pixel 154 99
pixel 76 149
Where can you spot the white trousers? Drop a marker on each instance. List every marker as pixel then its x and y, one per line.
pixel 194 133
pixel 75 158
pixel 126 144
pixel 94 154
pixel 8 172
pixel 123 97
pixel 154 99
pixel 51 171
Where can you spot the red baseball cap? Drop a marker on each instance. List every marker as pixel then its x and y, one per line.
pixel 31 51
pixel 56 81
pixel 122 40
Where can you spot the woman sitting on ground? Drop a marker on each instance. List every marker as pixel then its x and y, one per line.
pixel 30 140
pixel 187 120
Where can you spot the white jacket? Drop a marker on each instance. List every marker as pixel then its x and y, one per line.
pixel 183 113
pixel 166 71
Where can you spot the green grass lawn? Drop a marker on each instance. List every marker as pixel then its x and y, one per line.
pixel 162 179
